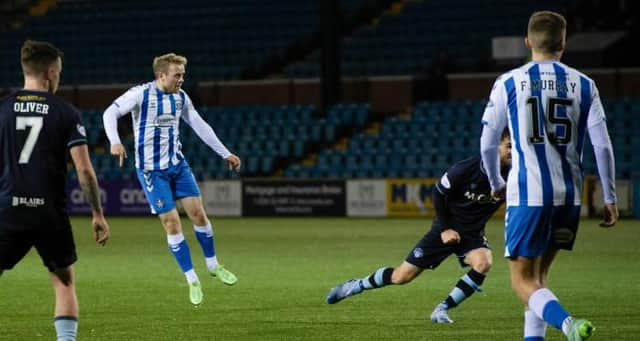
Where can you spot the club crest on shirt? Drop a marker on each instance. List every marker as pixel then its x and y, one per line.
pixel 81 130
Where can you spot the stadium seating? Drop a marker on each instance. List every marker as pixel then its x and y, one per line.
pixel 115 41
pixel 440 133
pixel 221 38
pixel 264 136
pixel 406 42
pixel 296 139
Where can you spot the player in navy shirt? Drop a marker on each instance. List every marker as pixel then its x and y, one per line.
pixel 463 204
pixel 36 131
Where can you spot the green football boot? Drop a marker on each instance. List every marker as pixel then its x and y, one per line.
pixel 224 275
pixel 195 293
pixel 580 330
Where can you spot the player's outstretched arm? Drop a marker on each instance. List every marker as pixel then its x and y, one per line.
pixel 89 184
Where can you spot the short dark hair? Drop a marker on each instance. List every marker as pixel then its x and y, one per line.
pixel 546 31
pixel 37 56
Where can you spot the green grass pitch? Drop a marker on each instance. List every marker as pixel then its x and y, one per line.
pixel 132 289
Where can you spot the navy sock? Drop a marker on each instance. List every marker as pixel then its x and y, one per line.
pixel 466 286
pixel 378 279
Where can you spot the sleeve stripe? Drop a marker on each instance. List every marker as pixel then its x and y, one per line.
pixel 76 142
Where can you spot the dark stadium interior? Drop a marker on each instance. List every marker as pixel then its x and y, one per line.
pixel 415 75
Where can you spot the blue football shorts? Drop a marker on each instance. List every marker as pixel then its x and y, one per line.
pixel 163 187
pixel 529 231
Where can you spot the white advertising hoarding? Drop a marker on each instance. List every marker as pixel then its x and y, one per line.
pixel 222 198
pixel 366 198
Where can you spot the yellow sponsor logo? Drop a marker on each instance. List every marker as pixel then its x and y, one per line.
pixel 31 98
pixel 410 197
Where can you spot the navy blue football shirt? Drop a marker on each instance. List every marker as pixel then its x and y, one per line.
pixel 467 194
pixel 36 130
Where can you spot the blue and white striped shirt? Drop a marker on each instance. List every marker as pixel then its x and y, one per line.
pixel 156 116
pixel 548 107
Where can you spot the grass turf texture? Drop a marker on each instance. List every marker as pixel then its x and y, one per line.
pixel 133 290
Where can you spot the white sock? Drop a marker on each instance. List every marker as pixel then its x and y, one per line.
pixel 566 324
pixel 191 276
pixel 539 299
pixel 175 239
pixel 533 325
pixel 212 262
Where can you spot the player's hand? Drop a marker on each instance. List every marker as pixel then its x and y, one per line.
pixel 450 237
pixel 499 194
pixel 610 215
pixel 234 162
pixel 119 151
pixel 101 231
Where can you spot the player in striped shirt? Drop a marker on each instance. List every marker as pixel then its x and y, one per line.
pixel 548 107
pixel 163 172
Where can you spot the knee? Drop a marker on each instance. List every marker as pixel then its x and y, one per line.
pixel 63 278
pixel 198 216
pixel 402 277
pixel 483 266
pixel 171 225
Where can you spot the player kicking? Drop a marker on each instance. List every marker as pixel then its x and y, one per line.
pixel 548 108
pixel 463 204
pixel 164 174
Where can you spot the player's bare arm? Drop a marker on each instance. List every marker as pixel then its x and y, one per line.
pixel 89 184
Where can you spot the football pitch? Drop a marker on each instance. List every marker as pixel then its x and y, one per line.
pixel 132 289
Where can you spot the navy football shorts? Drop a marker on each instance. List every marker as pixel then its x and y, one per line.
pixel 50 233
pixel 430 251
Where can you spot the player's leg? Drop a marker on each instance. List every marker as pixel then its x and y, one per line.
pixel 180 251
pixel 55 245
pixel 160 195
pixel 480 259
pixel 204 234
pixel 526 259
pixel 187 190
pixel 380 278
pixel 534 327
pixel 428 253
pixel 66 308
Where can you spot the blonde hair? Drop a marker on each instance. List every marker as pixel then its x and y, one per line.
pixel 37 57
pixel 546 31
pixel 161 63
